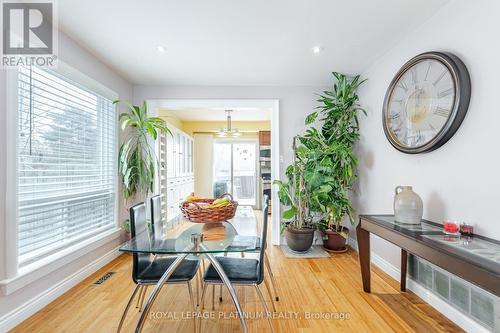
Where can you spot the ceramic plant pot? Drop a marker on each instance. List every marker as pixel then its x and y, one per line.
pixel 299 240
pixel 333 240
pixel 408 207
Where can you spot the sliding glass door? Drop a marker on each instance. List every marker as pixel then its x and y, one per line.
pixel 235 170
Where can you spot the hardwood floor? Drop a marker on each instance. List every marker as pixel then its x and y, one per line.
pixel 307 287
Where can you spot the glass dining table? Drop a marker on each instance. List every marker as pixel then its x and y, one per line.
pixel 195 241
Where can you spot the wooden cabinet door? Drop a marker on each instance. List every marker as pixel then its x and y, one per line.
pixel 265 138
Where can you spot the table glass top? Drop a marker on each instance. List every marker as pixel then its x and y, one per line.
pixel 237 235
pixel 479 250
pixel 471 245
pixel 423 226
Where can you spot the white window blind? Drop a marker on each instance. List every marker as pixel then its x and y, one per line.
pixel 66 163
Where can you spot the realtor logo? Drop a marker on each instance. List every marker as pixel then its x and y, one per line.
pixel 28 33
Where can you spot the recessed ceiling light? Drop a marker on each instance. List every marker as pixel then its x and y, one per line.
pixel 317 49
pixel 160 48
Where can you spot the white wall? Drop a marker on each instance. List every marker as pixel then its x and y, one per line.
pixel 203 158
pixel 461 179
pixel 19 304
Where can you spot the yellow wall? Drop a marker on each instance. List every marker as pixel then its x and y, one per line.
pixel 253 127
pixel 191 127
pixel 165 115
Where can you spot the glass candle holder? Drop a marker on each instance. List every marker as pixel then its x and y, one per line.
pixel 466 229
pixel 450 227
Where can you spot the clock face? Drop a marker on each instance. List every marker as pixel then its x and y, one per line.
pixel 420 103
pixel 426 102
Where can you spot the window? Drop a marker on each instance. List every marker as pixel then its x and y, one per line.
pixel 66 163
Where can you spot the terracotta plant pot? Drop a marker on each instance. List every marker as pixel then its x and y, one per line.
pixel 299 240
pixel 332 240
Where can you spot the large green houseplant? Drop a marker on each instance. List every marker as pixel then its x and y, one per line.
pixel 329 151
pixel 324 168
pixel 137 161
pixel 293 193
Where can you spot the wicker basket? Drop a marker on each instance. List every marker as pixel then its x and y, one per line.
pixel 192 211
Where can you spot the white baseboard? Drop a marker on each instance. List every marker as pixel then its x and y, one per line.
pixel 429 297
pixel 24 311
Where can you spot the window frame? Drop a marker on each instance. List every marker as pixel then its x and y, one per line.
pixel 14 274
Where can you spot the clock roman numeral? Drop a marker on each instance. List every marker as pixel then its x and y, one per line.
pixel 439 78
pixel 446 92
pixel 402 85
pixel 414 75
pixel 395 116
pixel 432 128
pixel 428 69
pixel 442 112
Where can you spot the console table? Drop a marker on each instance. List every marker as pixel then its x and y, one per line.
pixel 475 258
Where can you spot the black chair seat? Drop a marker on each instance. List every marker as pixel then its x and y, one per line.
pixel 183 273
pixel 237 270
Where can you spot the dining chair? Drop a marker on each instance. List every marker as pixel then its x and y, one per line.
pixel 265 200
pixel 243 271
pixel 147 270
pixel 156 221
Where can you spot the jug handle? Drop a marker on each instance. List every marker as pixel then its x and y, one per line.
pixel 398 189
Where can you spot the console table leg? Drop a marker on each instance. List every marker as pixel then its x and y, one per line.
pixel 404 264
pixel 364 255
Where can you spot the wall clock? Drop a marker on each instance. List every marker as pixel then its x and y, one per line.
pixel 426 102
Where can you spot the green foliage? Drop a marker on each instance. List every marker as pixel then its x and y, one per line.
pixel 293 192
pixel 136 158
pixel 332 153
pixel 324 168
pixel 126 225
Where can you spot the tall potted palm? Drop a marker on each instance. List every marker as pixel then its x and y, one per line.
pixel 330 153
pixel 137 161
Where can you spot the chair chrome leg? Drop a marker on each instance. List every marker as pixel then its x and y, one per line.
pixel 230 288
pixel 156 291
pixel 213 297
pixel 202 301
pixel 139 297
pixel 220 287
pixel 271 275
pixel 268 314
pixel 137 287
pixel 270 294
pixel 191 299
pixel 142 296
pixel 198 287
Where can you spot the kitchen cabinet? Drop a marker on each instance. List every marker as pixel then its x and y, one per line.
pixel 176 172
pixel 264 138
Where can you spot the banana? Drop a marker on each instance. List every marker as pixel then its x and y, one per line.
pixel 192 197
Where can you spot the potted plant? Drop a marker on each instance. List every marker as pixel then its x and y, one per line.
pixel 137 160
pixel 298 225
pixel 126 228
pixel 329 152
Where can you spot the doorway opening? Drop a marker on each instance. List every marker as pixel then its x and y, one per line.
pixel 235 170
pixel 222 162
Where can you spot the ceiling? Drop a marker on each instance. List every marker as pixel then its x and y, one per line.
pixel 224 42
pixel 215 110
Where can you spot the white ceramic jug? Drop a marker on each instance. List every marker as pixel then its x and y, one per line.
pixel 408 207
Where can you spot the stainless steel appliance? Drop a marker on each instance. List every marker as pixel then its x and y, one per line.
pixel 264 153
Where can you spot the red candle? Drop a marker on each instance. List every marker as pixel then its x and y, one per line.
pixel 450 227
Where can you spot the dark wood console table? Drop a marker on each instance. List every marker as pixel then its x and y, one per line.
pixel 475 259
